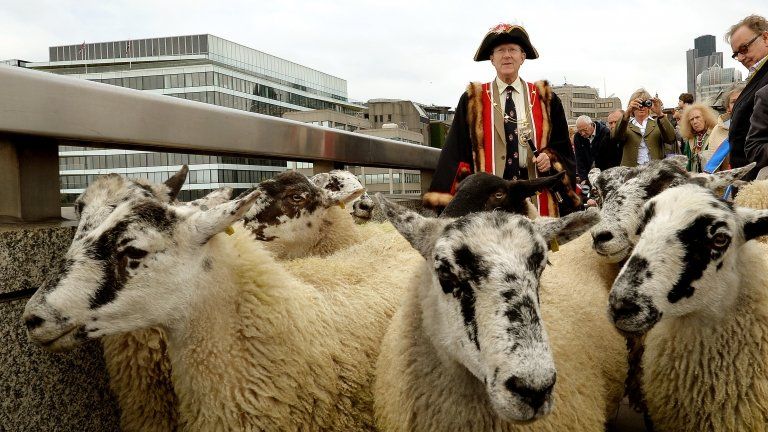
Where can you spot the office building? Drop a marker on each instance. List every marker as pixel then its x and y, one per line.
pixel 203 68
pixel 700 58
pixel 584 100
pixel 713 83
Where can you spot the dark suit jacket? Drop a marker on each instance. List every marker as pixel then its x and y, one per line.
pixel 602 153
pixel 756 146
pixel 740 119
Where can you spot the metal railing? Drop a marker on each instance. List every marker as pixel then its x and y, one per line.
pixel 40 111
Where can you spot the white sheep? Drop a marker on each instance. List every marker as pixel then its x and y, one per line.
pixel 697 285
pixel 137 362
pixel 361 208
pixel 252 347
pixel 304 219
pixel 467 349
pixel 622 192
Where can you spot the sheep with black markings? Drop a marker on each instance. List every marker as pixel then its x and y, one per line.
pixel 252 347
pixel 139 367
pixel 479 344
pixel 697 286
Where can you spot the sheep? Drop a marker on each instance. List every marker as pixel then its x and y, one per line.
pixel 304 219
pixel 361 208
pixel 484 192
pixel 696 286
pixel 251 346
pixel 466 349
pixel 137 362
pixel 623 191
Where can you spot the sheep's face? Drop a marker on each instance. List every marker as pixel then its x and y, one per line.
pixel 345 186
pixel 486 192
pixel 685 260
pixel 296 208
pixel 107 191
pixel 623 191
pixel 128 272
pixel 481 308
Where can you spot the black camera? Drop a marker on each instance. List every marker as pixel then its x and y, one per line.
pixel 646 103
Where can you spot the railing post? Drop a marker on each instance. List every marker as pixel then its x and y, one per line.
pixel 325 166
pixel 426 180
pixel 29 175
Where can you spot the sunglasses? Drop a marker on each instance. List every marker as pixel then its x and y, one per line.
pixel 744 48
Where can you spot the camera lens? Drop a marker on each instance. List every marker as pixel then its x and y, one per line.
pixel 647 103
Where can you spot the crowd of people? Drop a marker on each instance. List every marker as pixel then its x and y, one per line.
pixel 517 129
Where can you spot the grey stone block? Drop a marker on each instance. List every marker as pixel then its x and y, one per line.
pixel 42 391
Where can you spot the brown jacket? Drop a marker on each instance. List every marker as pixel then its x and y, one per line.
pixel 656 135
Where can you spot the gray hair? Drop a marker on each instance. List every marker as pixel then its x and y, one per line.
pixel 584 119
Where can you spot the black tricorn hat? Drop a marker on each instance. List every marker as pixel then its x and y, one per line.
pixel 505 33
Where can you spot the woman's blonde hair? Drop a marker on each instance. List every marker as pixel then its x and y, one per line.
pixel 707 113
pixel 640 93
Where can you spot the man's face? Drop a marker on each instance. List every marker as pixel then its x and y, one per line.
pixel 749 50
pixel 680 104
pixel 613 118
pixel 585 129
pixel 507 59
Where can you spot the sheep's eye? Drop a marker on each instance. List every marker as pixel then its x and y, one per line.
pixel 297 198
pixel 499 195
pixel 134 253
pixel 720 241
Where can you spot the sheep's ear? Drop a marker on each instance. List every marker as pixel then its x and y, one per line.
pixel 722 179
pixel 176 182
pixel 754 223
pixel 528 188
pixel 421 232
pixel 568 227
pixel 593 174
pixel 206 224
pixel 343 197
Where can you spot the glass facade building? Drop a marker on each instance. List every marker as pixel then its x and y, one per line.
pixel 203 68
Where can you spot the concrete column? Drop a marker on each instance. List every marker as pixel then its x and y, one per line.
pixel 29 173
pixel 426 180
pixel 325 166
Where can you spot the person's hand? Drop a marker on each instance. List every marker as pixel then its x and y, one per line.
pixel 657 107
pixel 591 203
pixel 542 163
pixel 631 107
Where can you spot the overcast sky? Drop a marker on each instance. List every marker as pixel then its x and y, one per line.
pixel 416 50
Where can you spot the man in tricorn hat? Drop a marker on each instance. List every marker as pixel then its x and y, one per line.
pixel 508 127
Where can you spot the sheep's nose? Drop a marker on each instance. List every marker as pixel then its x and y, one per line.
pixel 602 237
pixel 624 309
pixel 33 321
pixel 365 205
pixel 534 397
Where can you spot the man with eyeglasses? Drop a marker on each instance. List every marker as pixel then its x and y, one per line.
pixel 508 127
pixel 749 41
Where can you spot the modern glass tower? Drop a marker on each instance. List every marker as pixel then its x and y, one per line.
pixel 202 68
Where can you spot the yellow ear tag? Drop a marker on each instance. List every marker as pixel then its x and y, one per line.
pixel 341 205
pixel 553 245
pixel 229 230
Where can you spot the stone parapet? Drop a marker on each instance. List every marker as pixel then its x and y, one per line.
pixel 41 390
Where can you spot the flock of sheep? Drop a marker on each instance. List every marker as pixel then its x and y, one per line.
pixel 285 309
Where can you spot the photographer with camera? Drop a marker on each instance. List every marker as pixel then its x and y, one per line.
pixel 640 137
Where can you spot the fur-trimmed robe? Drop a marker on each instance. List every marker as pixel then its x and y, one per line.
pixel 464 154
